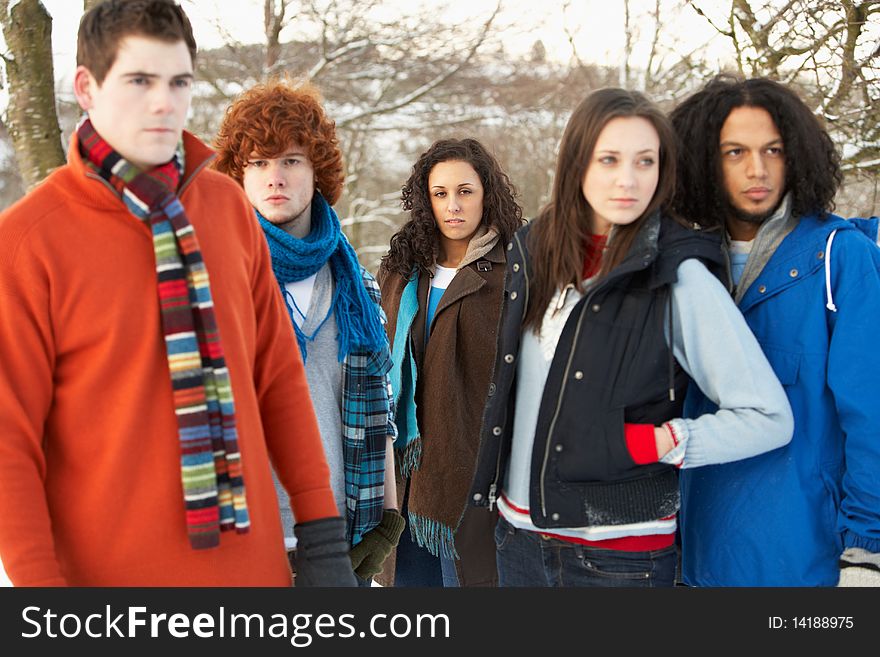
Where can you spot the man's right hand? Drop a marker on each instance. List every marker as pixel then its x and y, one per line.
pixel 322 554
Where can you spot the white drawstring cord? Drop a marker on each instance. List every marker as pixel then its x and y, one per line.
pixel 830 305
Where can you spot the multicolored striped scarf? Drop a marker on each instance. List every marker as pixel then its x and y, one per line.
pixel 213 486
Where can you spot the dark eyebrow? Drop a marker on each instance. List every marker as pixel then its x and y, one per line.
pixel 614 152
pixel 153 76
pixel 464 184
pixel 736 143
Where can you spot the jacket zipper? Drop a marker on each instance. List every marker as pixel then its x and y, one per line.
pixel 559 402
pixel 493 487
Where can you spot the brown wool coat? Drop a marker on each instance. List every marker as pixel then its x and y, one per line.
pixel 454 372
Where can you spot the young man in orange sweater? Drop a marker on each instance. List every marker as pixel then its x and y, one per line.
pixel 148 371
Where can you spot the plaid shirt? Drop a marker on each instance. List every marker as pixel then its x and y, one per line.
pixel 367 421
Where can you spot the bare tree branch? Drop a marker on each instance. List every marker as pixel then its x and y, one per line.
pixel 696 8
pixel 431 84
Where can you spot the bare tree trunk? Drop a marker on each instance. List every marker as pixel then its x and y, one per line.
pixel 273 22
pixel 627 47
pixel 31 116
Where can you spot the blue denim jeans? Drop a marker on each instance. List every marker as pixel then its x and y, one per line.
pixel 528 558
pixel 448 572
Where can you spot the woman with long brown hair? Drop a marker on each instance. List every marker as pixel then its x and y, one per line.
pixel 612 309
pixel 442 284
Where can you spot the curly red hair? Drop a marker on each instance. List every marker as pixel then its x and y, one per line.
pixel 267 119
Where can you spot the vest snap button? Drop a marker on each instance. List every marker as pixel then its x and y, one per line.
pixel 477 497
pixel 579 375
pixel 508 358
pixel 513 295
pixel 555 516
pixel 558 448
pixel 596 307
pixel 762 289
pixel 496 431
pixel 793 273
pixel 491 389
pixel 509 246
pixel 820 255
pixel 516 266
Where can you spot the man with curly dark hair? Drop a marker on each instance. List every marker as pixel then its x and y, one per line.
pixel 756 161
pixel 278 143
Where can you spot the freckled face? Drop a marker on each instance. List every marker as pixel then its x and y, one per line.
pixel 281 188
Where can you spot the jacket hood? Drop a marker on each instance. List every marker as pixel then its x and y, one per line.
pixel 677 242
pixel 868 226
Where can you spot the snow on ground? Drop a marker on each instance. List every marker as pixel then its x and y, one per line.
pixel 4 580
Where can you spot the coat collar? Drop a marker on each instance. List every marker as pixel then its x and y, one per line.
pixel 198 156
pixel 801 253
pixel 468 280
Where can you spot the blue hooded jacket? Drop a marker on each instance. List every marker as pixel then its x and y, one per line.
pixel 783 518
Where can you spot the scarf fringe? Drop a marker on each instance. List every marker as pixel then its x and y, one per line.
pixel 357 317
pixel 411 457
pixel 434 536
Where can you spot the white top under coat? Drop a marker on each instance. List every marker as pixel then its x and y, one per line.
pixel 714 345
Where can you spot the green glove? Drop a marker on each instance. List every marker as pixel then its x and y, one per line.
pixel 368 556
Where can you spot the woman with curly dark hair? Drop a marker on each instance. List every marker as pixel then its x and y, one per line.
pixel 442 286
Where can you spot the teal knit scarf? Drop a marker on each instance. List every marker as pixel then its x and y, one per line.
pixel 357 317
pixel 403 381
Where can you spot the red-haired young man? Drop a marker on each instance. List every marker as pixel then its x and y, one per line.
pixel 278 143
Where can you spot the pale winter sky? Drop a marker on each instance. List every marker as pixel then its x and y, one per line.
pixel 597 26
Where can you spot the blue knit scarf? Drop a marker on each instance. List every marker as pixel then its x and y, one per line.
pixel 293 259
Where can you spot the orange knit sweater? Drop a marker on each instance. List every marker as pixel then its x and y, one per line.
pixel 90 483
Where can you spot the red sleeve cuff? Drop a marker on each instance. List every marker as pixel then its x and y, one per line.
pixel 641 443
